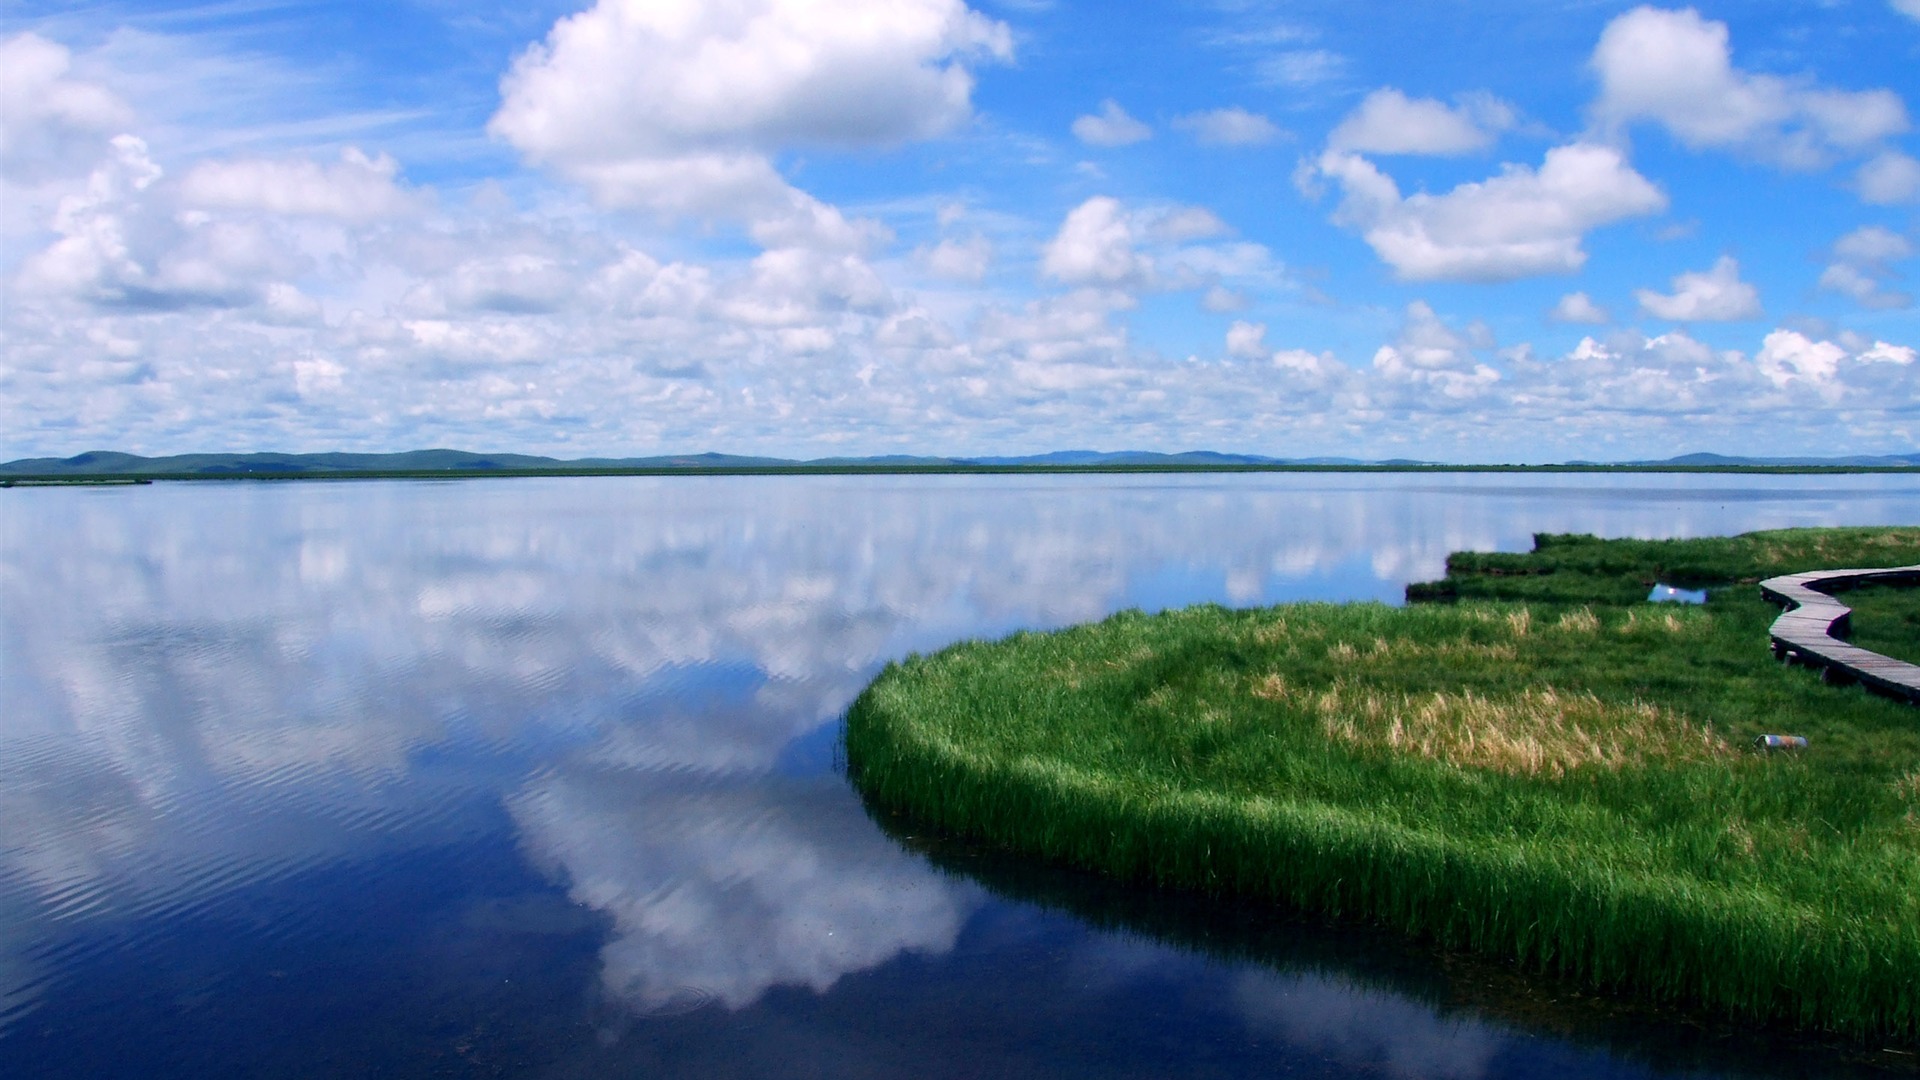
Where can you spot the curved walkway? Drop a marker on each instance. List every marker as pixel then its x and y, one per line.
pixel 1805 633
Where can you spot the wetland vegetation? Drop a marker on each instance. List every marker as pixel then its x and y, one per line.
pixel 1533 763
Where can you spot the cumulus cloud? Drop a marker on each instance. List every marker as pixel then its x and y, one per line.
pixel 1787 356
pixel 1095 245
pixel 1881 352
pixel 1578 307
pixel 1889 179
pixel 357 188
pixel 627 79
pixel 1111 126
pixel 55 123
pixel 1103 243
pixel 1627 377
pixel 1862 264
pixel 1716 295
pixel 1430 354
pixel 1522 223
pixel 676 106
pixel 1229 127
pixel 249 294
pixel 1676 69
pixel 93 257
pixel 1389 122
pixel 1247 340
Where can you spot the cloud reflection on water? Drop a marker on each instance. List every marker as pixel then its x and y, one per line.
pixel 1369 1031
pixel 206 684
pixel 727 888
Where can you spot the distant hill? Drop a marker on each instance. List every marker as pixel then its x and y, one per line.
pixel 1131 457
pixel 107 464
pixel 1867 460
pixel 113 464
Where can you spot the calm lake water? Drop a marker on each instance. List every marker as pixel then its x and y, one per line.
pixel 537 778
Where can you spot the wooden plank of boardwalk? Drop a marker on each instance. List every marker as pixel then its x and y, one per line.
pixel 1806 633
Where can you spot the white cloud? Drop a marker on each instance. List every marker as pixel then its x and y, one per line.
pixel 53 122
pixel 958 260
pixel 1220 299
pixel 1676 69
pixel 1229 127
pixel 626 79
pixel 1909 8
pixel 1095 245
pixel 92 255
pixel 1389 122
pixel 1519 224
pixel 1111 126
pixel 1884 353
pixel 249 296
pixel 1850 280
pixel 1578 307
pixel 1787 356
pixel 1182 223
pixel 1247 340
pixel 358 188
pixel 1874 245
pixel 1103 243
pixel 1716 295
pixel 518 282
pixel 675 105
pixel 1862 263
pixel 1430 354
pixel 1889 179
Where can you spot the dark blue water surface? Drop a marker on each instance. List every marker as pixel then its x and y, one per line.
pixel 537 778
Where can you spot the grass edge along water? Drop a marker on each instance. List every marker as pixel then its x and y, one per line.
pixel 1771 888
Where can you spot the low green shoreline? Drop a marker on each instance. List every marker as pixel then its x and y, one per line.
pixel 1541 767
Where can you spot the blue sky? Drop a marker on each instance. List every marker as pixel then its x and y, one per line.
pixel 1477 232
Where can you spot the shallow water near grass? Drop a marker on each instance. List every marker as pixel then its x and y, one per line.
pixel 536 778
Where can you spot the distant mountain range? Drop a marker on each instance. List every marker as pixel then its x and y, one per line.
pixel 1879 461
pixel 109 464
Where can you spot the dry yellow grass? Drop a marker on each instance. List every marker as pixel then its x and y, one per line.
pixel 1583 621
pixel 1543 732
pixel 1670 622
pixel 1402 648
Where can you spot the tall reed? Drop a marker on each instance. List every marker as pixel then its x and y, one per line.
pixel 1564 783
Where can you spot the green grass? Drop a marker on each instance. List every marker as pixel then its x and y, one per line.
pixel 1544 770
pixel 1886 620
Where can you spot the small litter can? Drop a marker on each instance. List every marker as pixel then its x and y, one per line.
pixel 1780 742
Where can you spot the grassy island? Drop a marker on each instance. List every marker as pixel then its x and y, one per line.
pixel 1533 764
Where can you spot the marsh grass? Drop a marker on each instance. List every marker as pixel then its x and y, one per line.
pixel 1886 619
pixel 1560 781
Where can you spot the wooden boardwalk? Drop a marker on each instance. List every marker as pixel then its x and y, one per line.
pixel 1807 632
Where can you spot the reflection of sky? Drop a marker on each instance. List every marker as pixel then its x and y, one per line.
pixel 728 888
pixel 207 688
